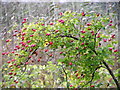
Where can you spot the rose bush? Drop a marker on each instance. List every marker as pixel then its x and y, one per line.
pixel 85 44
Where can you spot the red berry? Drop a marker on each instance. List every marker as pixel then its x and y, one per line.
pixel 10 73
pixel 22 38
pixel 50 55
pixel 51 23
pixel 32 61
pixel 10 65
pixel 12 69
pixel 25 19
pixel 34 30
pixel 10 76
pixel 15 30
pixel 111 21
pixel 46 50
pixel 60 13
pixel 30 56
pixel 24 28
pixel 8 61
pixel 82 43
pixel 48 34
pixel 17 46
pixel 42 24
pixel 16 54
pixel 56 31
pixel 31 50
pixel 84 47
pixel 12 52
pixel 38 60
pixel 31 35
pixel 61 52
pixel 77 48
pixel 93 34
pixel 71 40
pixel 70 63
pixel 23 34
pixel 92 31
pixel 116 50
pixel 76 75
pixel 7 53
pixel 71 85
pixel 7 40
pixel 16 82
pixel 33 45
pixel 110 24
pixel 92 86
pixel 3 53
pixel 105 40
pixel 23 43
pixel 50 43
pixel 83 14
pixel 26 62
pixel 15 49
pixel 14 35
pixel 22 48
pixel 110 49
pixel 62 21
pixel 13 60
pixel 98 36
pixel 88 24
pixel 113 36
pixel 98 15
pixel 15 73
pixel 89 28
pixel 109 39
pixel 26 45
pixel 28 41
pixel 82 36
pixel 18 66
pixel 82 31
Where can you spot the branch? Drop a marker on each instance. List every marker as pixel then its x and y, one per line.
pixel 111 73
pixel 68 36
pixel 65 75
pixel 95 38
pixel 30 55
pixel 27 58
pixel 93 74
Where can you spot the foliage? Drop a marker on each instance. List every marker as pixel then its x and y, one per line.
pixel 83 42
